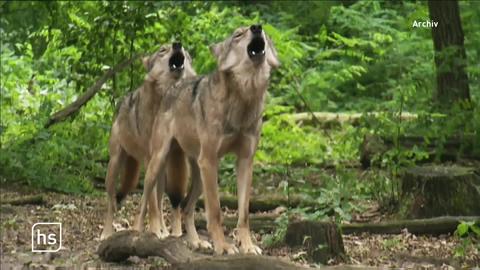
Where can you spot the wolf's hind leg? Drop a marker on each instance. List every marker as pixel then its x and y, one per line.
pixel 159 201
pixel 176 185
pixel 117 160
pixel 129 177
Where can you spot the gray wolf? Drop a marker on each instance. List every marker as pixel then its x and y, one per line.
pixel 131 131
pixel 208 117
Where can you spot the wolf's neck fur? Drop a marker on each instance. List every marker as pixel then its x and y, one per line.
pixel 242 95
pixel 150 97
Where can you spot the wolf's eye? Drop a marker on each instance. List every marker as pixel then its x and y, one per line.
pixel 163 50
pixel 237 35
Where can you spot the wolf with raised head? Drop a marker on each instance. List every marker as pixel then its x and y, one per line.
pixel 131 132
pixel 208 117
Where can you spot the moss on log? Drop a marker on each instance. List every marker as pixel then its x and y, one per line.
pixel 264 203
pixel 323 240
pixel 429 226
pixel 340 118
pixel 34 199
pixel 436 190
pixel 453 148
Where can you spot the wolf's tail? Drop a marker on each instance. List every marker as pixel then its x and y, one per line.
pixel 129 179
pixel 177 176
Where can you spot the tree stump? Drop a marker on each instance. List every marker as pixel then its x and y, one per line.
pixel 323 240
pixel 436 190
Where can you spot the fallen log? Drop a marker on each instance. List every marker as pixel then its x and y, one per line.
pixel 453 147
pixel 83 99
pixel 124 244
pixel 428 226
pixel 258 222
pixel 34 199
pixel 263 203
pixel 257 204
pixel 121 245
pixel 340 118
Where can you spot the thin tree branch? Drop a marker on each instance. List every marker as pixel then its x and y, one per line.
pixel 70 109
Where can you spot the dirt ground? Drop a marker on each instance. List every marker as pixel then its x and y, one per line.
pixel 82 216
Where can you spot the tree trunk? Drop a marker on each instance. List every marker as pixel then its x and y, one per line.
pixel 450 57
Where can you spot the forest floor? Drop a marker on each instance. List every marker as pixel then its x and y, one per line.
pixel 82 217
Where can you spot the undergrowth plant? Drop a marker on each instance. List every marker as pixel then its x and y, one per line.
pixel 469 235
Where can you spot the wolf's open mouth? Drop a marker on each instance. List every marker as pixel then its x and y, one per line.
pixel 256 47
pixel 176 61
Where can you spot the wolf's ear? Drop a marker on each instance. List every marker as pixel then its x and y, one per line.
pixel 228 61
pixel 225 59
pixel 272 58
pixel 145 61
pixel 217 50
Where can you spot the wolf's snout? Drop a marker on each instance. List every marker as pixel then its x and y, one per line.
pixel 256 28
pixel 256 47
pixel 176 46
pixel 176 61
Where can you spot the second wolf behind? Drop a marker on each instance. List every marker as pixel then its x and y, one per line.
pixel 209 117
pixel 130 136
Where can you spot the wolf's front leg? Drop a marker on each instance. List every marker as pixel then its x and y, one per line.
pixel 244 170
pixel 155 166
pixel 208 163
pixel 189 208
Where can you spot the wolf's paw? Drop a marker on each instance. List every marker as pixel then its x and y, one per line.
pixel 200 244
pixel 177 231
pixel 176 234
pixel 245 243
pixel 225 248
pixel 138 226
pixel 250 249
pixel 162 234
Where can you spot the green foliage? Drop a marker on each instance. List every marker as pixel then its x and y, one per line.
pixel 285 142
pixel 469 234
pixel 338 197
pixel 277 237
